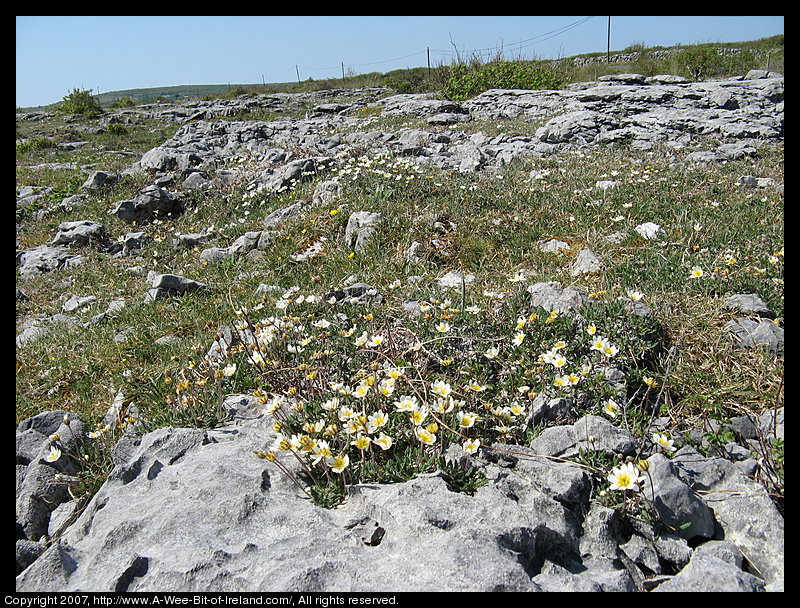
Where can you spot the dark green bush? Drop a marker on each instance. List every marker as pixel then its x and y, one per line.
pixel 698 61
pixel 80 102
pixel 115 128
pixel 406 81
pixel 124 102
pixel 466 81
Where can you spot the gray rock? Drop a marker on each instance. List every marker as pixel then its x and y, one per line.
pixel 28 195
pixel 211 516
pixel 744 427
pixel 716 566
pixel 415 252
pixel 361 228
pixel 31 334
pixel 553 246
pixel 623 78
pixel 151 202
pixel 45 423
pixel 167 285
pixel 468 157
pixel 551 296
pixel 587 262
pixel 675 502
pixel 770 424
pixel 326 192
pixel 755 182
pixel 650 230
pixel 160 159
pixel 61 517
pixel 590 432
pixel 46 258
pixel 635 307
pixel 331 108
pixel 448 118
pixel 100 179
pixel 583 125
pixel 292 173
pixel 642 552
pixel 196 181
pixel 703 156
pixel 757 334
pixel 191 239
pixel 735 151
pixel 747 515
pixel 256 240
pixel 133 243
pixel 180 538
pixel 748 303
pixel 259 239
pixel 418 104
pixel 40 490
pixel 27 552
pixel 213 255
pixel 282 215
pixel 544 409
pixel 79 234
pixel 723 99
pixel 77 302
pixel 455 279
pixel 359 292
pixel 568 484
pixel 755 74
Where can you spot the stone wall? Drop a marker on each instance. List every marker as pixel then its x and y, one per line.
pixel 652 54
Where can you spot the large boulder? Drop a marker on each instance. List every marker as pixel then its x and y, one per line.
pixel 211 516
pixel 289 175
pixel 80 234
pixel 45 258
pixel 168 285
pixel 151 202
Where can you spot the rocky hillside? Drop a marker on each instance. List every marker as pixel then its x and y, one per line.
pixel 356 341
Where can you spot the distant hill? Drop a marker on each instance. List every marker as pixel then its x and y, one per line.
pixel 178 92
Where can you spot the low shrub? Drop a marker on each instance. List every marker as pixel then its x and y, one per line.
pixel 468 80
pixel 80 102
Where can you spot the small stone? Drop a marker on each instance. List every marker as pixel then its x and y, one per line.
pixel 586 263
pixel 650 230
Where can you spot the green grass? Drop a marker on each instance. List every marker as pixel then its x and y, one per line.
pixel 496 222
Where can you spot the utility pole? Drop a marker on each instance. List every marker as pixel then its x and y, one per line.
pixel 429 62
pixel 342 73
pixel 608 42
pixel 298 73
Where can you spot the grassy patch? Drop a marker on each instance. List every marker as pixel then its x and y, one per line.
pixel 466 367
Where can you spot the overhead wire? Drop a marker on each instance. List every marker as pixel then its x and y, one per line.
pixel 518 45
pixel 533 40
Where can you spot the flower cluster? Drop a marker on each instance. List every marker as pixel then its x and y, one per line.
pixel 348 396
pixel 383 165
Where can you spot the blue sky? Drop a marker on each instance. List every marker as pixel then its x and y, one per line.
pixel 57 54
